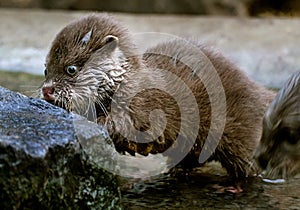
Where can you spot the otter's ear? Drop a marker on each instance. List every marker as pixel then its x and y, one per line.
pixel 111 42
pixel 86 38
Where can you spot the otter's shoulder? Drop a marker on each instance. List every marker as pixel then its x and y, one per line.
pixel 194 54
pixel 189 50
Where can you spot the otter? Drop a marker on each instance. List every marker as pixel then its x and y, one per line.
pixel 165 100
pixel 279 150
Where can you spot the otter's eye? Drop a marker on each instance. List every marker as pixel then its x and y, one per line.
pixel 71 70
pixel 45 72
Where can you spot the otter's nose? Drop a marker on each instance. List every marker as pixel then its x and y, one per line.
pixel 48 93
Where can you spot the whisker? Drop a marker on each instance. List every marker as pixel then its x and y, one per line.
pixel 84 107
pixel 91 111
pixel 77 102
pixel 103 108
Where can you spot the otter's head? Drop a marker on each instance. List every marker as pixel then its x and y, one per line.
pixel 279 150
pixel 87 61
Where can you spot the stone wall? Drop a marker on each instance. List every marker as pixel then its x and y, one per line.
pixel 204 7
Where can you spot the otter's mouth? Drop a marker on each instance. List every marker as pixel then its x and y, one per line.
pixel 51 102
pixel 59 104
pixel 62 103
pixel 61 99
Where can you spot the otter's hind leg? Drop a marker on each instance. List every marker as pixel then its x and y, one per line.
pixel 235 155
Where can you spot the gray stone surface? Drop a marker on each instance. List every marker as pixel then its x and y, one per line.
pixel 267 49
pixel 42 161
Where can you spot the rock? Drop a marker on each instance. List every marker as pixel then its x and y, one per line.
pixel 43 164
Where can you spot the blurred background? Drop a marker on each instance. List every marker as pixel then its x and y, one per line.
pixel 197 7
pixel 260 36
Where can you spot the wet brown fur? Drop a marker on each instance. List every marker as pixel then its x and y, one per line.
pixel 245 100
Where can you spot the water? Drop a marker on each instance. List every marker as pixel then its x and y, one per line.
pixel 205 191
